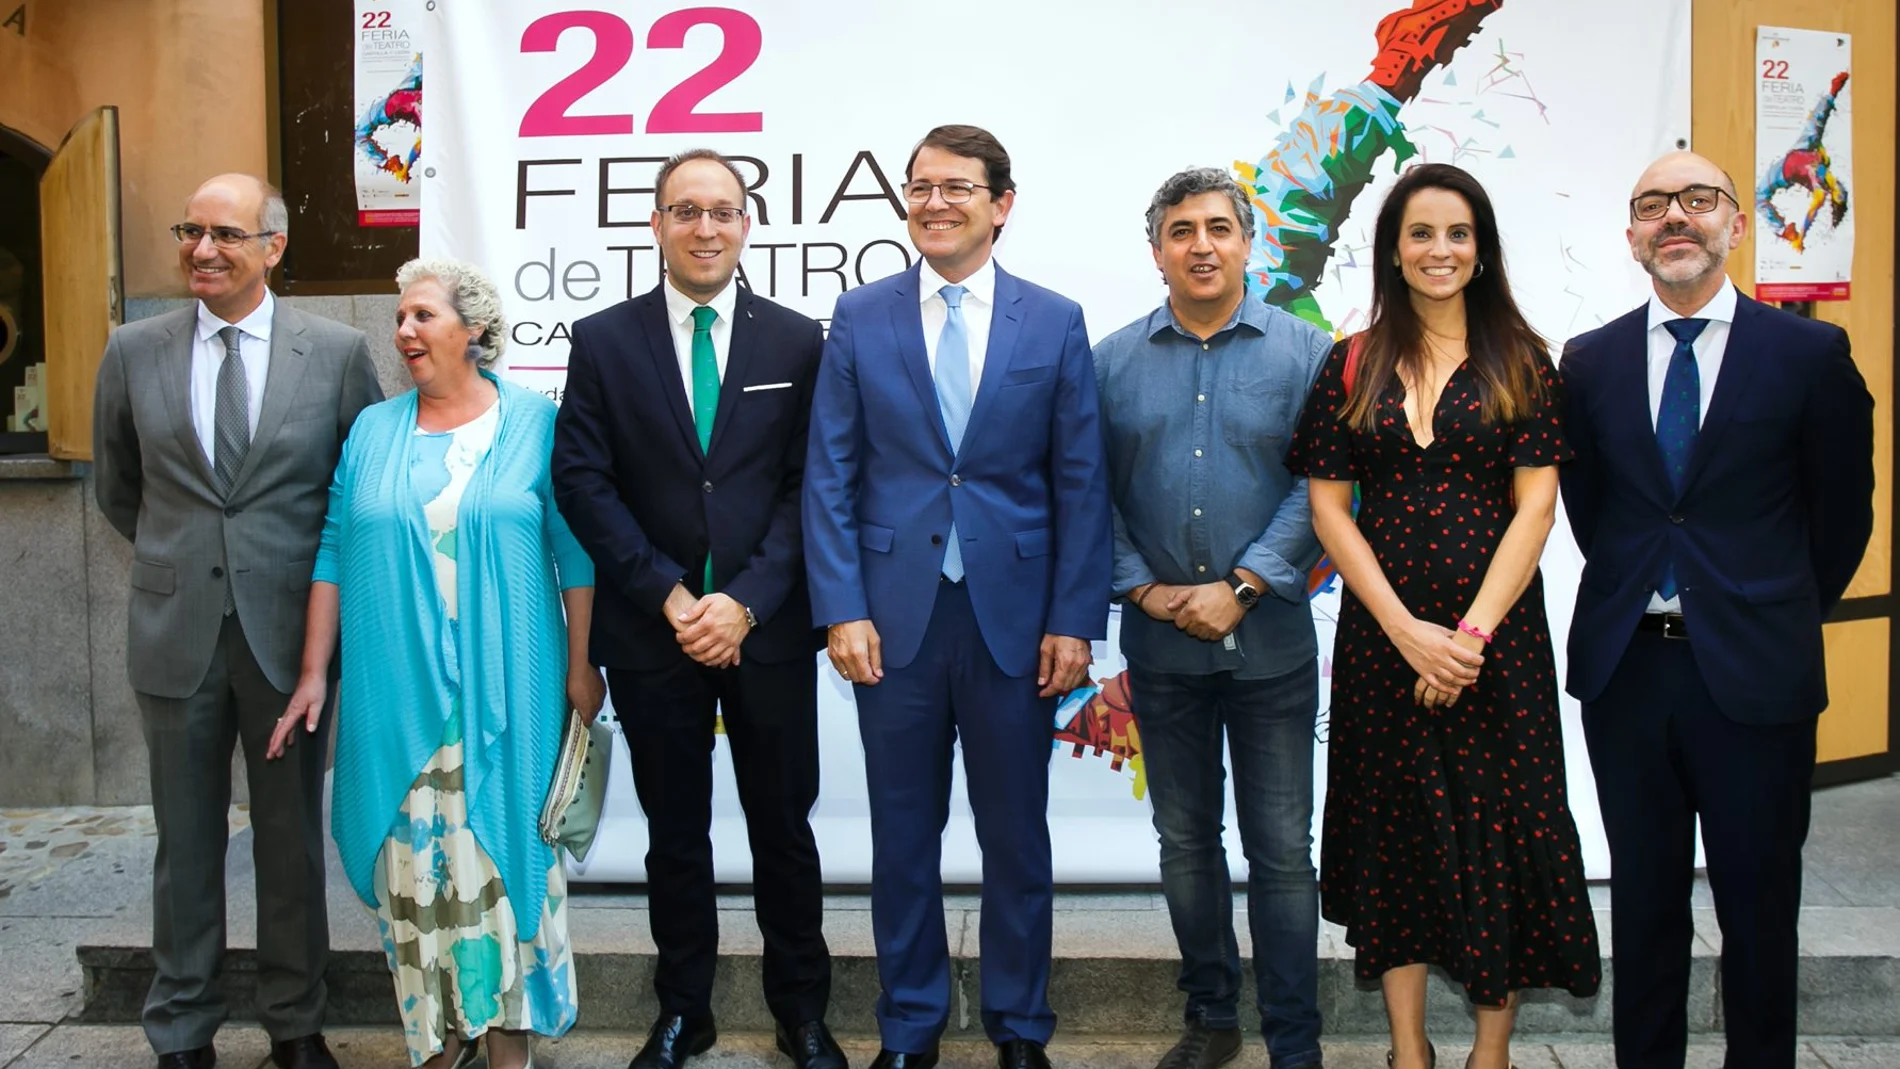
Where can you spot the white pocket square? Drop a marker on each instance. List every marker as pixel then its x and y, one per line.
pixel 767 386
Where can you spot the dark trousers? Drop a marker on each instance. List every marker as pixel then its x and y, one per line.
pixel 1664 754
pixel 1189 723
pixel 189 741
pixel 954 692
pixel 771 720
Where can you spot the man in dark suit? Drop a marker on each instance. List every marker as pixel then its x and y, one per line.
pixel 957 538
pixel 1722 497
pixel 216 430
pixel 679 453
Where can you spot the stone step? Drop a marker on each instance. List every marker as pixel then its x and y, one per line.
pixel 1113 975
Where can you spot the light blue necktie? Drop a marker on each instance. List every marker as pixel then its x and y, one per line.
pixel 1679 417
pixel 954 398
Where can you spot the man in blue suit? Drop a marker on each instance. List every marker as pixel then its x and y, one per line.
pixel 957 541
pixel 1722 497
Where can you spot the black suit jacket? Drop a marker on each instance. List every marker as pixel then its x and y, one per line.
pixel 1768 529
pixel 649 505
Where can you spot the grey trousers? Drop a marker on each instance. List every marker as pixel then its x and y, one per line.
pixel 189 741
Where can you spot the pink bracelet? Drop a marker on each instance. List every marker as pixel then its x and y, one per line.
pixel 1469 629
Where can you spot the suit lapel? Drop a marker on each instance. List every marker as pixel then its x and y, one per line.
pixel 1630 413
pixel 1006 322
pixel 666 368
pixel 741 341
pixel 1738 366
pixel 174 374
pixel 907 321
pixel 289 358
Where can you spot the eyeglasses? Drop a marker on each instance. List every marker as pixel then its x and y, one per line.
pixel 1694 200
pixel 958 192
pixel 224 237
pixel 688 214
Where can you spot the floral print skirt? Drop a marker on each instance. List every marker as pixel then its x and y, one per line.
pixel 449 929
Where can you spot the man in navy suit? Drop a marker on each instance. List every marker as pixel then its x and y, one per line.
pixel 958 544
pixel 1722 497
pixel 678 457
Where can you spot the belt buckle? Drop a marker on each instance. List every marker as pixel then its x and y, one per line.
pixel 1673 626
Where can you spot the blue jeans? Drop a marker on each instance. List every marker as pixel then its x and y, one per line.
pixel 1268 726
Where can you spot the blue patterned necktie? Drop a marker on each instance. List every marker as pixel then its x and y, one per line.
pixel 954 398
pixel 1679 417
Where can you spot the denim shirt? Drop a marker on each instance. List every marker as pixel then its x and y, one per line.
pixel 1197 437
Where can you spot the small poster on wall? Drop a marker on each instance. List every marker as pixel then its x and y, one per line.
pixel 387 140
pixel 1804 165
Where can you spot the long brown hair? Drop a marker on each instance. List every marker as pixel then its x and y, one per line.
pixel 1500 345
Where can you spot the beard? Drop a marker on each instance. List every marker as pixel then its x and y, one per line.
pixel 1706 260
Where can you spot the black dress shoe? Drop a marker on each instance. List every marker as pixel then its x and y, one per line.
pixel 810 1046
pixel 1202 1047
pixel 897 1059
pixel 1021 1054
pixel 202 1058
pixel 304 1052
pixel 673 1040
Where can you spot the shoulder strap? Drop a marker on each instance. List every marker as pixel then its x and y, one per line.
pixel 1353 348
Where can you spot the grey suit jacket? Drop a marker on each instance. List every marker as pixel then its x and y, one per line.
pixel 155 484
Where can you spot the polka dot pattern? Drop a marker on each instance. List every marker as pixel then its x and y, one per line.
pixel 1448 837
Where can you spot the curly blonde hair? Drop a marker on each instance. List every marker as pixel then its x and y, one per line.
pixel 472 295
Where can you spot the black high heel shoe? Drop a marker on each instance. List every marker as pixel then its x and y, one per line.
pixel 1431 1057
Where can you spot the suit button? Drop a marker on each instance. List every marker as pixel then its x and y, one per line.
pixel 228 513
pixel 936 540
pixel 706 486
pixel 1675 519
pixel 956 480
pixel 217 572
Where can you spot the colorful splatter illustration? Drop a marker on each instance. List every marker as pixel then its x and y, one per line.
pixel 1806 166
pixel 402 104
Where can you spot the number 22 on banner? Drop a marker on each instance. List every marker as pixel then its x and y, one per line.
pixel 674 113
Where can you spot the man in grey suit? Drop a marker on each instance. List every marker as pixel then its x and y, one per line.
pixel 216 430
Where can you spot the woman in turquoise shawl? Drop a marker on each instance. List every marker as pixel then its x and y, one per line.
pixel 448 567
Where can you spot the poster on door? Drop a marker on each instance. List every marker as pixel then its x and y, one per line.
pixel 386 141
pixel 1804 165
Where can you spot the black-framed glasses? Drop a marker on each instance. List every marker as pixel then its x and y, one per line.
pixel 224 237
pixel 1693 200
pixel 954 192
pixel 688 214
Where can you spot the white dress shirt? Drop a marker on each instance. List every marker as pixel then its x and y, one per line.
pixel 1709 347
pixel 679 317
pixel 978 305
pixel 207 356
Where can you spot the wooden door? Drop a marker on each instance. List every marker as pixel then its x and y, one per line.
pixel 82 274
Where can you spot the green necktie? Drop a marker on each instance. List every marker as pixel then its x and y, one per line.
pixel 705 391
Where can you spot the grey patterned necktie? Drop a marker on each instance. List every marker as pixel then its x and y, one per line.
pixel 232 427
pixel 231 431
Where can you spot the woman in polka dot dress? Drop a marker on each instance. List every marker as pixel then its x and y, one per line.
pixel 1448 839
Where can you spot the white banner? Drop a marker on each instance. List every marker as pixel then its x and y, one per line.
pixel 387 139
pixel 549 122
pixel 1804 165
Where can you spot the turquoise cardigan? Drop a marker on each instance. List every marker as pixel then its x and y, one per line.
pixel 404 665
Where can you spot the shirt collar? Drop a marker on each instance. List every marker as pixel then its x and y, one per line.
pixel 679 307
pixel 1252 312
pixel 981 285
pixel 257 324
pixel 1720 309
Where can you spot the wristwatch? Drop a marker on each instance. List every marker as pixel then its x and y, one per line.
pixel 1243 591
pixel 751 621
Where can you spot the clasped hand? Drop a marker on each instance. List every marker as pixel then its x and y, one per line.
pixel 1443 659
pixel 1208 611
pixel 710 629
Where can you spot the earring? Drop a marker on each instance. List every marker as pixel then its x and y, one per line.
pixel 1479 273
pixel 475 351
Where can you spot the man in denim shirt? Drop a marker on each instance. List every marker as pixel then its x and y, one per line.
pixel 1213 542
